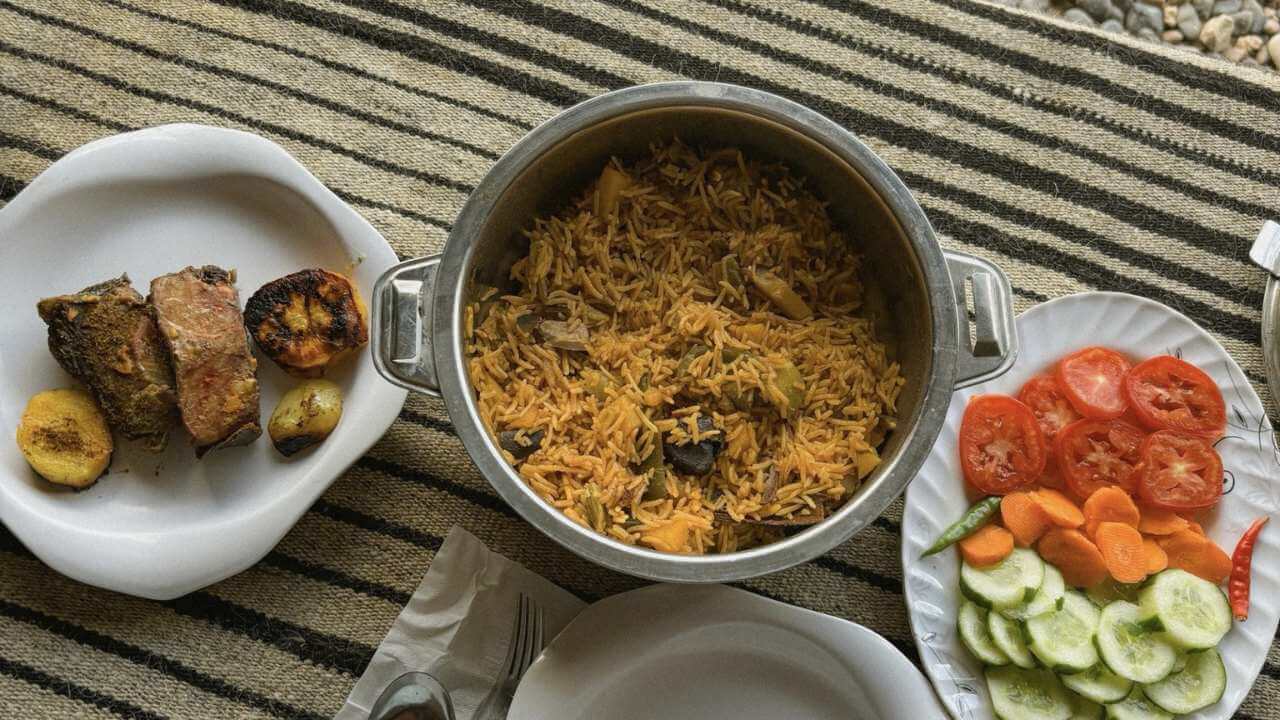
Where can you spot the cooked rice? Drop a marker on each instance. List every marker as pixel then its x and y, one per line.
pixel 647 283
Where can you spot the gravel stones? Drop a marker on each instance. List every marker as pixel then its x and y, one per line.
pixel 1099 10
pixel 1080 17
pixel 1217 33
pixel 1239 31
pixel 1141 16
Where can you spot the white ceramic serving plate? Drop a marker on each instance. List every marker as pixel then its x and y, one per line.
pixel 148 203
pixel 1141 328
pixel 691 652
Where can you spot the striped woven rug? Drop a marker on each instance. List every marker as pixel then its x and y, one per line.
pixel 1074 160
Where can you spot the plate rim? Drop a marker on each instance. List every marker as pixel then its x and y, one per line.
pixel 907 561
pixel 261 528
pixel 780 614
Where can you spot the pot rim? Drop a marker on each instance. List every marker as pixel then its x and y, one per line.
pixel 891 478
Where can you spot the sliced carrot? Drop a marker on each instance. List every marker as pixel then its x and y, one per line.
pixel 1156 558
pixel 1059 508
pixel 1197 554
pixel 1091 529
pixel 1121 548
pixel 1155 521
pixel 1023 517
pixel 987 546
pixel 1111 504
pixel 1074 555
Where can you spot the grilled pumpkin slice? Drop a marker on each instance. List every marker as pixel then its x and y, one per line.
pixel 306 321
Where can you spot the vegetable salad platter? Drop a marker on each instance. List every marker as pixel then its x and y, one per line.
pixel 1089 537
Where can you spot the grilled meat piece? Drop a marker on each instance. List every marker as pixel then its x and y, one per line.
pixel 306 321
pixel 105 335
pixel 198 314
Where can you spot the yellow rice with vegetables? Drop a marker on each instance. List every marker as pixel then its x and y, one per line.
pixel 692 361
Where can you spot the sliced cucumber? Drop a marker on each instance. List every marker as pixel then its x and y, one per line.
pixel 1063 639
pixel 1128 649
pixel 1099 684
pixel 1047 599
pixel 1136 707
pixel 1192 612
pixel 1010 582
pixel 1085 709
pixel 1006 634
pixel 1200 684
pixel 972 624
pixel 1021 694
pixel 1108 591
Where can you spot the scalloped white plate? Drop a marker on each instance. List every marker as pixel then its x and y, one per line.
pixel 148 203
pixel 690 652
pixel 935 499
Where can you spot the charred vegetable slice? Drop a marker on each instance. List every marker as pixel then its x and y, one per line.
pixel 305 416
pixel 65 438
pixel 307 320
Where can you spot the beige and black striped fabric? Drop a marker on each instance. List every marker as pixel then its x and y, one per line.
pixel 1074 161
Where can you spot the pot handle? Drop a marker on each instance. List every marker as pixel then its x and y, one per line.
pixel 988 347
pixel 400 319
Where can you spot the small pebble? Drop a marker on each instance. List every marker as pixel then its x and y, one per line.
pixel 1078 16
pixel 1271 27
pixel 1262 56
pixel 1216 33
pixel 1226 7
pixel 1188 21
pixel 1269 11
pixel 1112 25
pixel 1203 8
pixel 1142 16
pixel 1273 49
pixel 1250 43
pixel 1242 21
pixel 1173 37
pixel 1234 54
pixel 1256 16
pixel 1170 16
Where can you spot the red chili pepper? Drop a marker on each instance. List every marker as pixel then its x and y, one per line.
pixel 1241 561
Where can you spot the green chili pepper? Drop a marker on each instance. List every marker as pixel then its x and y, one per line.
pixel 978 515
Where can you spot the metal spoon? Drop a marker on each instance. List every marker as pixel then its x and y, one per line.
pixel 413 696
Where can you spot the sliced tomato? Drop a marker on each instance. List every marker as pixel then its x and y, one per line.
pixel 1179 472
pixel 1049 404
pixel 1001 445
pixel 1167 393
pixel 1093 454
pixel 1093 380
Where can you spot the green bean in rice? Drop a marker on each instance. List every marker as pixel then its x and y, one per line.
pixel 690 359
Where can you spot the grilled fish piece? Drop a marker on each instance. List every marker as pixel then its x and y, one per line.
pixel 306 321
pixel 105 336
pixel 198 315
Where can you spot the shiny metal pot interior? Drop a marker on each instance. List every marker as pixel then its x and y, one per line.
pixel 418 305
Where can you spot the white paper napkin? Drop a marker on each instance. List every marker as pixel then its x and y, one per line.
pixel 458 623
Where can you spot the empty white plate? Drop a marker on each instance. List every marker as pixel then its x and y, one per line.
pixel 149 203
pixel 696 652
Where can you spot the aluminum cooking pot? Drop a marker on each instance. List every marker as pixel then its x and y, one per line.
pixel 417 309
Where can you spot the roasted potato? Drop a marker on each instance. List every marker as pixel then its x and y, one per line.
pixel 65 438
pixel 306 321
pixel 305 416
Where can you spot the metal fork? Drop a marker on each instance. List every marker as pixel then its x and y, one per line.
pixel 526 644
